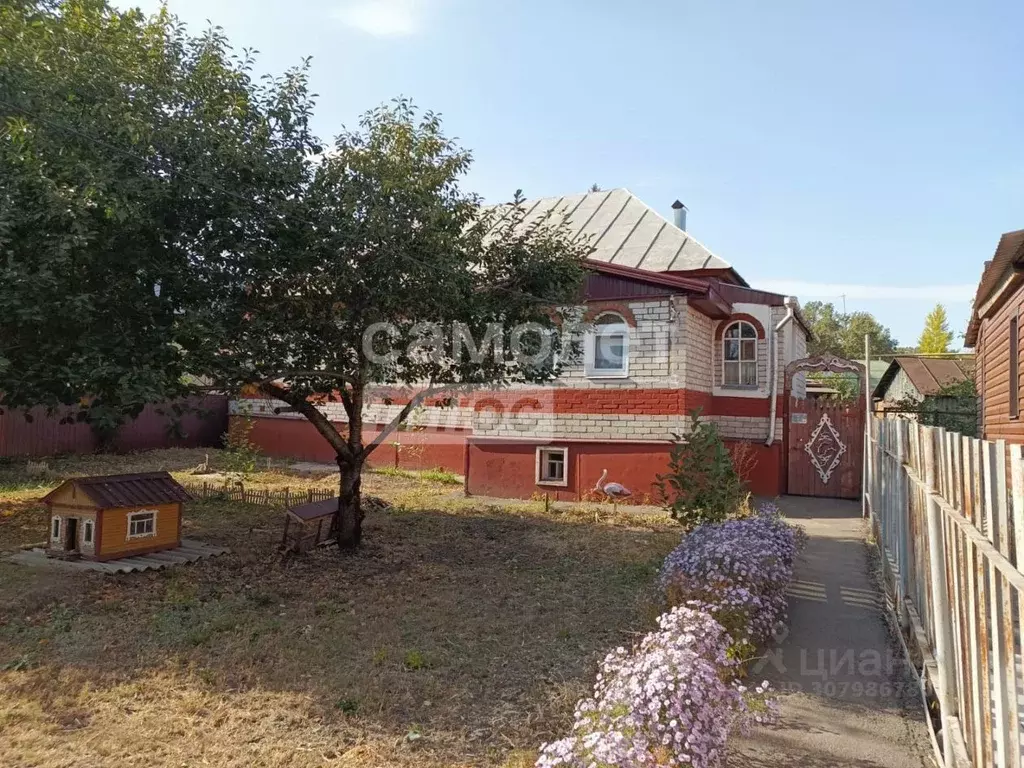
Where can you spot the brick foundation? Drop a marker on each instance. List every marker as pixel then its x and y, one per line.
pixel 506 468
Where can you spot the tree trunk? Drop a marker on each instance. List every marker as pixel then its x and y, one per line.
pixel 348 525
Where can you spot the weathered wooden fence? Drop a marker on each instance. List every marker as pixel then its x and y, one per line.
pixel 282 497
pixel 949 514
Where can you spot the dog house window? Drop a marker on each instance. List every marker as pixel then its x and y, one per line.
pixel 55 528
pixel 739 355
pixel 87 532
pixel 551 466
pixel 141 524
pixel 607 347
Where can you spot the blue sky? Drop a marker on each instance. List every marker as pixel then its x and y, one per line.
pixel 871 149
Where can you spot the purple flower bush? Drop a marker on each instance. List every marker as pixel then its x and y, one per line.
pixel 673 699
pixel 738 571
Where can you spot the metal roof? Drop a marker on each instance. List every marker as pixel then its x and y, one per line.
pixel 625 231
pixel 128 490
pixel 929 375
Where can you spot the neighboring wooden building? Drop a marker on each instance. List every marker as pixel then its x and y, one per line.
pixel 910 378
pixel 994 333
pixel 104 518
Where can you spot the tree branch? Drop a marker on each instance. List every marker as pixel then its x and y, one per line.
pixel 322 424
pixel 403 414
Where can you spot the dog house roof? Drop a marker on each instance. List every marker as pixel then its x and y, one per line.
pixel 128 490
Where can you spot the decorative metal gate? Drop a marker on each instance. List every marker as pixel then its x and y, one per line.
pixel 824 441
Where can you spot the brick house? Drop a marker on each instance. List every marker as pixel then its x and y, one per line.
pixel 671 327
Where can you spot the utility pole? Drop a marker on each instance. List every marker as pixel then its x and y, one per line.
pixel 867 474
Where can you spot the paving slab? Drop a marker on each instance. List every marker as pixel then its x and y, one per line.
pixel 849 699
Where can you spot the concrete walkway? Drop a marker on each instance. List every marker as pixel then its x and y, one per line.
pixel 850 701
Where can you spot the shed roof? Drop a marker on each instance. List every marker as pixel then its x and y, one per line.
pixel 128 490
pixel 624 230
pixel 314 510
pixel 929 375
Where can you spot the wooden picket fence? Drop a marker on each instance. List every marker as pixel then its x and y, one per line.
pixel 284 497
pixel 948 511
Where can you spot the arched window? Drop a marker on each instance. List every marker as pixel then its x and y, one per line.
pixel 607 347
pixel 739 355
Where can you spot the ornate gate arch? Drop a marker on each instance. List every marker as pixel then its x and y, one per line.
pixel 823 441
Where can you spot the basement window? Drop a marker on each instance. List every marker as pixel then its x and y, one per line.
pixel 142 524
pixel 551 466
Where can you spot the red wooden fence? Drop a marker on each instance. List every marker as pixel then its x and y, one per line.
pixel 45 436
pixel 825 448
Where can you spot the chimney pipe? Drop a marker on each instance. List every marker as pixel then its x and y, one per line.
pixel 679 215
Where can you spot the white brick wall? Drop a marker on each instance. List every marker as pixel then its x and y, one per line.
pixel 489 423
pixel 649 345
pixel 753 428
pixel 696 343
pixel 606 426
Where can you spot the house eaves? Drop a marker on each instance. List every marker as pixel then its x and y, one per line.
pixel 999 278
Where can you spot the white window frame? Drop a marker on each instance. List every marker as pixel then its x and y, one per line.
pixel 590 347
pixel 740 361
pixel 56 527
pixel 541 459
pixel 131 519
pixel 89 531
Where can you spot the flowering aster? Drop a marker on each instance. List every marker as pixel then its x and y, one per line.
pixel 738 570
pixel 665 703
pixel 672 700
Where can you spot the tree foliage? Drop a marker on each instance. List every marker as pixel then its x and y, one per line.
pixel 936 336
pixel 954 407
pixel 841 334
pixel 163 213
pixel 130 153
pixel 384 241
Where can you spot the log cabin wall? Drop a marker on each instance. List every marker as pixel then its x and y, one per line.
pixel 999 368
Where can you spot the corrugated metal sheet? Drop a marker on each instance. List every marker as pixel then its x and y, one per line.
pixel 625 230
pixel 46 436
pixel 928 375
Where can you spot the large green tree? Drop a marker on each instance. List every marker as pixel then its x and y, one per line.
pixel 936 336
pixel 379 275
pixel 842 334
pixel 130 152
pixel 164 214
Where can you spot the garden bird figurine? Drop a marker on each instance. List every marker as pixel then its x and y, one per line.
pixel 613 491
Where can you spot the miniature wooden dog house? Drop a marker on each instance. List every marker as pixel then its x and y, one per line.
pixel 104 518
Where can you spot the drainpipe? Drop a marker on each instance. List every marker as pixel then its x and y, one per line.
pixel 773 351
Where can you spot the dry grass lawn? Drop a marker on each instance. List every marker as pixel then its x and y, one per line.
pixel 459 635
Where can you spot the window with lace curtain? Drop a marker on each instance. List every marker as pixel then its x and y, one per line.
pixel 739 355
